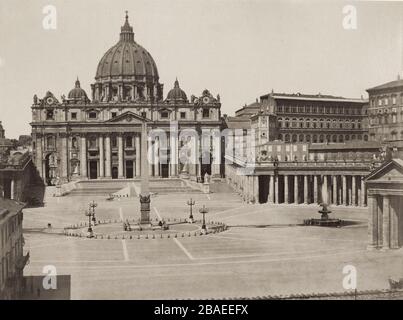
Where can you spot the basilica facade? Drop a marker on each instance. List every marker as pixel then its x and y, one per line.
pixel 78 137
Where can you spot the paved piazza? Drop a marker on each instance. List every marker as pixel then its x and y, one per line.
pixel 264 251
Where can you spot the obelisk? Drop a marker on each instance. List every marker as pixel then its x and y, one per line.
pixel 144 185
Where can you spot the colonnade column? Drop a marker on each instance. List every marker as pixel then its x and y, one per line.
pixel 344 182
pixel 353 191
pixel 271 188
pixel 362 192
pixel 120 156
pixel 138 155
pixel 315 189
pixel 108 155
pixel 335 190
pixel 101 157
pixel 296 189
pixel 286 198
pixel 276 188
pixel 256 188
pixel 83 161
pixel 306 189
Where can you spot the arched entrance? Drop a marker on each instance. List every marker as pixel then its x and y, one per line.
pixel 50 169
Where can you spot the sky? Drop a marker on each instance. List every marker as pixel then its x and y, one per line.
pixel 240 49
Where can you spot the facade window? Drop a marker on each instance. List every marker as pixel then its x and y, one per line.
pixel 144 114
pixel 114 114
pixel 74 116
pixel 129 142
pixel 164 115
pixel 49 115
pixel 74 143
pixel 114 142
pixel 50 142
pixel 394 100
pixel 92 115
pixel 92 142
pixel 183 115
pixel 287 123
pixel 206 113
pixel 379 102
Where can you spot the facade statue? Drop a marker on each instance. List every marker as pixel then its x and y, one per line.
pixel 35 99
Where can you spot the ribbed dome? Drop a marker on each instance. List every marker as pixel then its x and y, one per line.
pixel 176 93
pixel 77 93
pixel 127 58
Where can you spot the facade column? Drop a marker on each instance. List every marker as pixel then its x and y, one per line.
pixel 138 155
pixel 64 156
pixel 83 152
pixel 296 189
pixel 373 222
pixel 174 154
pixel 386 223
pixel 271 188
pixel 108 156
pixel 306 201
pixel 120 156
pixel 157 157
pixel 362 191
pixel 286 196
pixel 150 157
pixel 256 189
pixel 394 223
pixel 315 189
pixel 353 190
pixel 335 190
pixel 215 170
pixel 12 187
pixel 344 182
pixel 329 189
pixel 101 157
pixel 276 188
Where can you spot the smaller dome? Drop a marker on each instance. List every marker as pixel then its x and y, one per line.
pixel 77 93
pixel 176 93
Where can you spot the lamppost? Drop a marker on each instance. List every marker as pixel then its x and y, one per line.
pixel 90 233
pixel 93 205
pixel 191 203
pixel 203 211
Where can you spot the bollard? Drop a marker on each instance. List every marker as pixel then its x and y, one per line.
pixel 189 234
pixel 108 237
pixel 168 236
pixel 138 237
pixel 130 237
pixel 153 236
pixel 182 235
pixel 176 235
pixel 161 235
pixel 146 236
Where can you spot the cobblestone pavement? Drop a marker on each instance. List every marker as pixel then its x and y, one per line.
pixel 264 252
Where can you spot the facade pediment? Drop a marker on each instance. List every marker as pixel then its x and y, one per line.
pixel 128 117
pixel 390 171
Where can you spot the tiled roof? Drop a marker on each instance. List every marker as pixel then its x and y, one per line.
pixel 311 97
pixel 388 85
pixel 238 122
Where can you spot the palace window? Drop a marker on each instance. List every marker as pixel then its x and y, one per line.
pixel 206 113
pixel 183 115
pixel 74 116
pixel 394 100
pixel 114 114
pixel 164 115
pixel 144 114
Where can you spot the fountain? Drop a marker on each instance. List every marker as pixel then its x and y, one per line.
pixel 324 220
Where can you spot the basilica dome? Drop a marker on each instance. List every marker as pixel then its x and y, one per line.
pixel 176 93
pixel 127 59
pixel 77 93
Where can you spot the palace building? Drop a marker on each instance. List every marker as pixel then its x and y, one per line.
pixel 302 149
pixel 78 137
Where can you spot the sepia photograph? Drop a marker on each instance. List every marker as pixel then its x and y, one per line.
pixel 201 150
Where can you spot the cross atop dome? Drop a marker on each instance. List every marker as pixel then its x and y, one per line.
pixel 126 31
